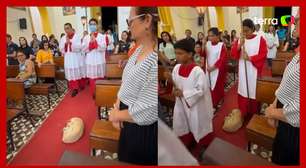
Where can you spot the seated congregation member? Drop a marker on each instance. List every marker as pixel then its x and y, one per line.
pixel 95 45
pixel 124 44
pixel 284 113
pixel 201 37
pixel 254 55
pixel 26 69
pixel 27 50
pixel 34 44
pixel 188 34
pixel 44 54
pixel 54 45
pixel 11 49
pixel 135 112
pixel 166 48
pixel 272 43
pixel 215 52
pixel 198 55
pixel 292 43
pixel 71 48
pixel 193 110
pixel 233 36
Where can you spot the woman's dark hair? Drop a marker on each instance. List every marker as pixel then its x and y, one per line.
pixel 232 34
pixel 41 46
pixel 202 34
pixel 51 37
pixel 198 43
pixel 185 45
pixel 44 36
pixel 24 40
pixel 248 23
pixel 273 29
pixel 93 20
pixel 128 35
pixel 151 11
pixel 62 35
pixel 168 34
pixel 214 30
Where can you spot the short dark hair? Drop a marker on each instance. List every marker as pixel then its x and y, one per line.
pixel 68 24
pixel 41 46
pixel 185 45
pixel 187 30
pixel 214 30
pixel 34 34
pixel 9 36
pixel 93 20
pixel 248 23
pixel 20 50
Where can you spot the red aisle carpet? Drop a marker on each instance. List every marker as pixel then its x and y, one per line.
pixel 46 147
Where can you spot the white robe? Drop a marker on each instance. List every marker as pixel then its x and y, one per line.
pixel 73 59
pixel 197 94
pixel 213 55
pixel 251 48
pixel 95 59
pixel 272 40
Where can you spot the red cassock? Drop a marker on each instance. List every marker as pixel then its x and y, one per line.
pixel 256 49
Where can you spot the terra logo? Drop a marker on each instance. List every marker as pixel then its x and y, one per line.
pixel 285 19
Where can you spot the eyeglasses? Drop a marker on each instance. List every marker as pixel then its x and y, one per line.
pixel 129 21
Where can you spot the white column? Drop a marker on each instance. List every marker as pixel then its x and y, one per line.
pixel 123 14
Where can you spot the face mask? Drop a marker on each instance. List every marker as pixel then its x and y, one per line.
pixel 92 28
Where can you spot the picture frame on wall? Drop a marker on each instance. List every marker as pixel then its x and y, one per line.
pixel 68 10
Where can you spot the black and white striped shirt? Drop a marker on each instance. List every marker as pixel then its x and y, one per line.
pixel 288 92
pixel 139 88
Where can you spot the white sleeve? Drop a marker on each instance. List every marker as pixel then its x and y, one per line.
pixel 76 44
pixel 85 44
pixel 101 43
pixel 198 90
pixel 62 44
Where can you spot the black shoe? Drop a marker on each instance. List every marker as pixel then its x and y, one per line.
pixel 74 92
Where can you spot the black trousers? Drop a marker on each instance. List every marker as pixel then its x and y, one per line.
pixel 138 144
pixel 286 145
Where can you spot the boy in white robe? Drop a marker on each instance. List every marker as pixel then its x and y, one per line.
pixel 193 110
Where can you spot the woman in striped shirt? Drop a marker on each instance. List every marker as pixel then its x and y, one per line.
pixel 136 106
pixel 284 114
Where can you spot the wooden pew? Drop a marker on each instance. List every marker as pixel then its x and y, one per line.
pixel 103 135
pixel 45 71
pixel 265 89
pixel 59 63
pixel 70 158
pixel 15 92
pixel 113 71
pixel 258 130
pixel 12 71
pixel 278 67
pixel 222 153
pixel 285 55
pixel 115 58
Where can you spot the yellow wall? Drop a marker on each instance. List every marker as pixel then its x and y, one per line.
pixel 44 16
pixel 220 18
pixel 268 12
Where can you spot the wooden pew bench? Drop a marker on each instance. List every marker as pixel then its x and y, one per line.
pixel 15 92
pixel 59 64
pixel 222 153
pixel 104 136
pixel 285 55
pixel 258 130
pixel 115 58
pixel 45 71
pixel 12 71
pixel 279 66
pixel 113 71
